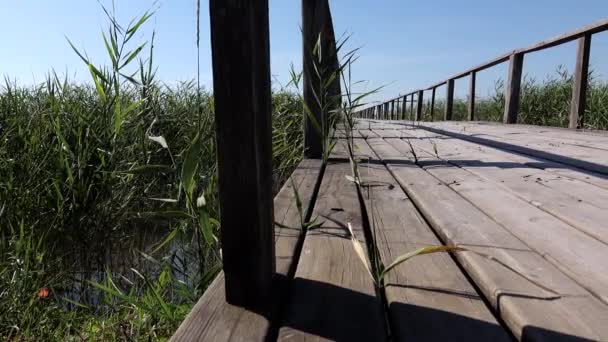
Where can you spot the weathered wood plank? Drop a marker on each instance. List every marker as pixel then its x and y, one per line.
pixel 333 296
pixel 241 90
pixel 523 306
pixel 527 215
pixel 578 156
pixel 427 291
pixel 212 318
pixel 513 87
pixel 579 87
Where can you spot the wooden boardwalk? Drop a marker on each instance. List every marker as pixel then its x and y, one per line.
pixel 534 198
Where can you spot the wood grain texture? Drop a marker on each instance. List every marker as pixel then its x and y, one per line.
pixel 333 296
pixel 513 88
pixel 579 87
pixel 212 318
pixel 534 213
pixel 241 89
pixel 427 291
pixel 579 156
pixel 522 305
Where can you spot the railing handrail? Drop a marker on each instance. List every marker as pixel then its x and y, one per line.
pixel 583 35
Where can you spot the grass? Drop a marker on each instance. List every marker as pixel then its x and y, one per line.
pixel 108 196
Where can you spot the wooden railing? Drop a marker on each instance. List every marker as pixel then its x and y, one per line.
pixel 242 93
pixel 392 110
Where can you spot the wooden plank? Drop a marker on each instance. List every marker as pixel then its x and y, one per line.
pixel 212 318
pixel 583 185
pixel 534 213
pixel 586 160
pixel 241 88
pixel 579 87
pixel 449 99
pixel 361 150
pixel 333 296
pixel 512 90
pixel 427 291
pixel 471 108
pixel 522 305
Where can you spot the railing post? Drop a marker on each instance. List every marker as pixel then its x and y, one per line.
pixel 386 111
pixel 403 105
pixel 516 63
pixel 433 104
pixel 419 106
pixel 241 89
pixel 579 87
pixel 473 76
pixel 392 109
pixel 449 99
pixel 412 107
pixel 317 26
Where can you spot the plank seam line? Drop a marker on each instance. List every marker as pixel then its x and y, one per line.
pixel 272 333
pixel 573 162
pixel 432 228
pixel 516 195
pixel 551 261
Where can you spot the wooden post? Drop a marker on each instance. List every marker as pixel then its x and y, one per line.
pixel 317 26
pixel 241 89
pixel 433 104
pixel 419 106
pixel 449 99
pixel 516 63
pixel 579 87
pixel 473 75
pixel 412 107
pixel 386 111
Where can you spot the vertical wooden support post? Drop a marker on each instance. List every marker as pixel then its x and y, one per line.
pixel 412 106
pixel 473 76
pixel 449 99
pixel 579 87
pixel 403 106
pixel 433 104
pixel 419 106
pixel 317 28
pixel 386 111
pixel 516 63
pixel 241 89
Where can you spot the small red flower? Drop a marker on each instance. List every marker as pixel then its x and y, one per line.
pixel 43 293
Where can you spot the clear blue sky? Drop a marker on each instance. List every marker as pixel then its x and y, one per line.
pixel 405 44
